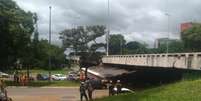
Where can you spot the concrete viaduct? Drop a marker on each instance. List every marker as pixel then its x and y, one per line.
pixel 171 60
pixel 190 61
pixel 145 69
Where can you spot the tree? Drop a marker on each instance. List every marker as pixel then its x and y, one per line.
pixel 116 44
pixel 80 37
pixel 192 38
pixel 135 47
pixel 16 28
pixel 176 47
pixel 96 46
pixel 36 33
pixel 40 58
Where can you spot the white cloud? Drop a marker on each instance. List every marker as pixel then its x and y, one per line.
pixel 142 20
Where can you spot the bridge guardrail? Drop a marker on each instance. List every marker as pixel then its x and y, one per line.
pixel 175 60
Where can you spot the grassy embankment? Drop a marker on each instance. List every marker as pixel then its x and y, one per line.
pixel 188 89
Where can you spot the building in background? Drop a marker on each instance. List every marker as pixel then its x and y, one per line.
pixel 185 26
pixel 163 41
pixel 188 25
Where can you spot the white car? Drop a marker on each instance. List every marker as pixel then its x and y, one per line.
pixel 3 75
pixel 58 77
pixel 124 90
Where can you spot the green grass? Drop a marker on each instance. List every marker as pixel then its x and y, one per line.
pixel 47 83
pixel 37 71
pixel 188 89
pixel 34 72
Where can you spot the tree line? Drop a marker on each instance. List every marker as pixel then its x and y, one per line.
pixel 73 38
pixel 19 40
pixel 190 42
pixel 20 43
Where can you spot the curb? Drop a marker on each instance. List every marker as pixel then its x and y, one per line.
pixel 38 87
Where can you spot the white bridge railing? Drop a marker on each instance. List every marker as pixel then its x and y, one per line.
pixel 176 60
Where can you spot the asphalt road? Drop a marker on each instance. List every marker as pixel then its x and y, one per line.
pixel 49 94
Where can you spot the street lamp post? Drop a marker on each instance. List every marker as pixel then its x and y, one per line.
pixel 50 43
pixel 108 33
pixel 167 43
pixel 168 32
pixel 121 44
pixel 75 26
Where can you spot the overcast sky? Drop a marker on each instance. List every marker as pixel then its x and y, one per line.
pixel 141 20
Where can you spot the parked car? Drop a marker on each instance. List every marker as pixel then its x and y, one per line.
pixel 31 78
pixel 72 77
pixel 58 77
pixel 98 84
pixel 124 90
pixel 4 75
pixel 42 77
pixel 73 72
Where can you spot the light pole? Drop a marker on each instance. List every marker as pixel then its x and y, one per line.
pixel 108 33
pixel 50 42
pixel 121 49
pixel 75 27
pixel 168 32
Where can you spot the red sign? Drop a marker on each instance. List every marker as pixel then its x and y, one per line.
pixel 185 26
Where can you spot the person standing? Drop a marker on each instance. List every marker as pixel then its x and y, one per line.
pixel 89 89
pixel 23 78
pixel 83 91
pixel 16 77
pixel 118 86
pixel 111 88
pixel 3 89
pixel 1 85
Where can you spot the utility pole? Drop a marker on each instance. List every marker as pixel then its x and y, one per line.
pixel 168 36
pixel 168 26
pixel 108 33
pixel 121 44
pixel 50 43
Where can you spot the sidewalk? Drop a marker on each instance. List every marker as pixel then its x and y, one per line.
pixel 49 93
pixel 39 87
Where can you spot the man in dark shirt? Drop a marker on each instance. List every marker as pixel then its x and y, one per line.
pixel 83 91
pixel 111 88
pixel 119 86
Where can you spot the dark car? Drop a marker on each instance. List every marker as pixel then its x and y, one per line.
pixel 98 84
pixel 42 77
pixel 31 78
pixel 72 77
